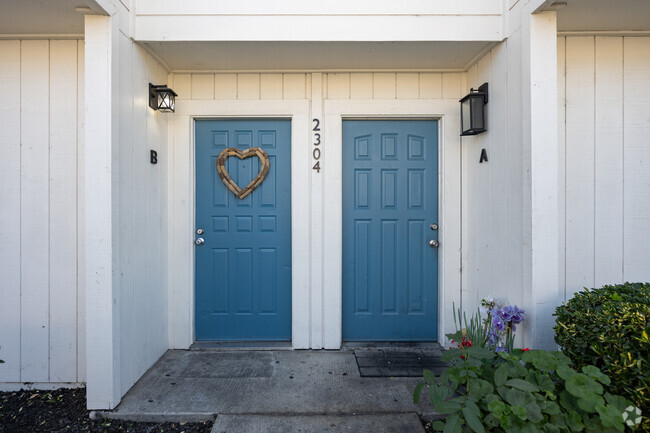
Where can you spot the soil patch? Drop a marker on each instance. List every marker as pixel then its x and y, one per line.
pixel 64 410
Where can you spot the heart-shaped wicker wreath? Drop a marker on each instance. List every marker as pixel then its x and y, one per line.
pixel 248 153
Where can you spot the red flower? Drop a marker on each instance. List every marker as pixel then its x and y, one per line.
pixel 525 350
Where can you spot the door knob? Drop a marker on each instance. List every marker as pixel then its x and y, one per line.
pixel 434 226
pixel 199 241
pixel 433 243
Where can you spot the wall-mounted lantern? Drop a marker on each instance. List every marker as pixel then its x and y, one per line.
pixel 162 98
pixel 472 111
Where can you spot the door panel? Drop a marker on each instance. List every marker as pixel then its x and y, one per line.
pixel 243 270
pixel 390 199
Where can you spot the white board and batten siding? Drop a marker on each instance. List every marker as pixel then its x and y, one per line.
pixel 505 244
pixel 604 125
pixel 142 253
pixel 126 271
pixel 42 320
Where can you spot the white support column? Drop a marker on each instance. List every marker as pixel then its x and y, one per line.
pixel 316 316
pixel 102 359
pixel 542 103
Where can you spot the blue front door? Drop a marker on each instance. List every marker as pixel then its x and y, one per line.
pixel 243 269
pixel 390 200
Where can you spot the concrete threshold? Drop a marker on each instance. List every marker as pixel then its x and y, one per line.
pixel 241 345
pixel 266 387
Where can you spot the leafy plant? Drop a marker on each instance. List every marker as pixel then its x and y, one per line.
pixel 610 328
pixel 521 392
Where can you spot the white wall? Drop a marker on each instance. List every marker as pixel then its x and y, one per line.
pixel 335 20
pixel 509 246
pixel 127 211
pixel 316 292
pixel 604 154
pixel 493 193
pixel 42 314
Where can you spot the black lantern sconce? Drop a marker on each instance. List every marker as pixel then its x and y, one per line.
pixel 472 111
pixel 162 98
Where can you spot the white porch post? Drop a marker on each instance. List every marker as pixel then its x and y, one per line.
pixel 102 357
pixel 541 111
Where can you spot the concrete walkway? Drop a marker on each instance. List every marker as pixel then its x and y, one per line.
pixel 268 391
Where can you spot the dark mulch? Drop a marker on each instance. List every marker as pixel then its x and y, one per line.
pixel 64 410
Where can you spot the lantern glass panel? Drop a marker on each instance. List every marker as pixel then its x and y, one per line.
pixel 465 115
pixel 478 123
pixel 165 101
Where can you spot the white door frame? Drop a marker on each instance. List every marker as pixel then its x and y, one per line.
pixel 446 112
pixel 181 206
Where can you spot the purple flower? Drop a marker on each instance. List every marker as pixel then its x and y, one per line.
pixel 498 324
pixel 500 349
pixel 517 315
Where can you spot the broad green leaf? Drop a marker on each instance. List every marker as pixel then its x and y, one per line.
pixel 529 428
pixel 550 407
pixel 559 420
pixel 496 407
pixel 594 372
pixel 479 388
pixel 438 394
pixel 522 385
pixel 451 355
pixel 453 425
pixel 582 386
pixel 533 410
pixel 617 401
pixel 565 372
pixel 519 412
pixel 472 407
pixel 416 393
pixel 480 352
pixel 429 376
pixel 446 408
pixel 610 416
pixel 545 382
pixel 444 377
pixel 551 428
pixel 472 420
pixel 501 375
pixel 541 359
pixel 574 420
pixel 589 402
pixel 438 425
pixel 514 396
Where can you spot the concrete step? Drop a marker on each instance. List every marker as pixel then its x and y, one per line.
pixel 374 423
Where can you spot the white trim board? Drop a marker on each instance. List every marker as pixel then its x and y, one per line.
pixel 181 224
pixel 316 227
pixel 446 112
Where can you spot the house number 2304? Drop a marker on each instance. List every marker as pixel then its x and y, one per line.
pixel 316 152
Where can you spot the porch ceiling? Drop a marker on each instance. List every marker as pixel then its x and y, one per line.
pixel 603 15
pixel 317 56
pixel 44 17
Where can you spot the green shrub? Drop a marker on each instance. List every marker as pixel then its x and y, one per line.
pixel 610 328
pixel 530 391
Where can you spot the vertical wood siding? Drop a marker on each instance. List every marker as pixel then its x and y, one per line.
pixel 604 125
pixel 41 318
pixel 142 187
pixel 353 85
pixel 492 211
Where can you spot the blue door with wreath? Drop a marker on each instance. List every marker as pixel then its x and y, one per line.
pixel 390 206
pixel 243 251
